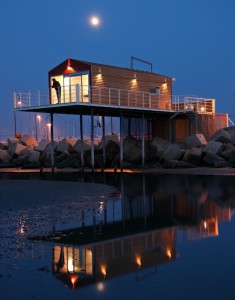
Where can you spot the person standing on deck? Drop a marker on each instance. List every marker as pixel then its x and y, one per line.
pixel 56 85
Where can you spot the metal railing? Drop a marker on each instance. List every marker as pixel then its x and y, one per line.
pixel 112 97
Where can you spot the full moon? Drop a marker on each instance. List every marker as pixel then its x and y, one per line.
pixel 95 21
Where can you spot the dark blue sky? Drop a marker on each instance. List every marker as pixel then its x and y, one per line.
pixel 191 40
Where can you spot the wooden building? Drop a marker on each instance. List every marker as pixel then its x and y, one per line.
pixel 143 101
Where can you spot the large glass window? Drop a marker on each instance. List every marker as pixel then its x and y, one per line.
pixel 74 88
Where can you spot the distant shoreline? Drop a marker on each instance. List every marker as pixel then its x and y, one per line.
pixel 228 171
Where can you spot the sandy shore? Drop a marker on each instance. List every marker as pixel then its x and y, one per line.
pixel 33 193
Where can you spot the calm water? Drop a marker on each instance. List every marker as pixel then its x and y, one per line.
pixel 157 237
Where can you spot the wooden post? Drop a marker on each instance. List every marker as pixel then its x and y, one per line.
pixel 82 146
pixel 52 144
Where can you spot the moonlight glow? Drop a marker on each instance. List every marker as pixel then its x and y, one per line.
pixel 95 21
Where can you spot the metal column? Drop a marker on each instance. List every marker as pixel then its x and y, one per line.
pixel 121 143
pixel 81 138
pixel 52 143
pixel 143 141
pixel 103 138
pixel 92 141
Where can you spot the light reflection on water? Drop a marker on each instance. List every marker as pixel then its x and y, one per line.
pixel 138 244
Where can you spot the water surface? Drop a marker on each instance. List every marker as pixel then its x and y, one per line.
pixel 149 236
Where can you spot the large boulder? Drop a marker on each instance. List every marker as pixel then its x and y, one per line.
pixel 212 146
pixel 211 157
pixel 160 144
pixel 110 137
pixel 232 158
pixel 5 156
pixel 65 145
pixel 34 156
pixel 151 154
pixel 173 152
pixel 24 154
pixel 170 164
pixel 221 135
pixel 28 140
pixel 3 146
pixel 133 155
pixel 193 156
pixel 77 146
pixel 49 146
pixel 231 131
pixel 11 141
pixel 42 145
pixel 111 150
pixel 226 154
pixel 16 148
pixel 128 143
pixel 68 160
pixel 195 140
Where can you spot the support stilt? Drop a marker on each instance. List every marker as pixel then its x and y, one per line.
pixel 143 141
pixel 121 143
pixel 82 146
pixel 103 139
pixel 92 141
pixel 52 144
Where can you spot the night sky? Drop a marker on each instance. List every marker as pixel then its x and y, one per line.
pixel 191 40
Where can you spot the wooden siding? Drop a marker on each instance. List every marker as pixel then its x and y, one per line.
pixel 122 86
pixel 130 80
pixel 160 128
pixel 181 129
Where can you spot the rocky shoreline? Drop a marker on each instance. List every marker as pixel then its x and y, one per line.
pixel 218 151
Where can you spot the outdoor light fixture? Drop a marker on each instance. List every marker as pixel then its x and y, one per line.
pixel 134 76
pixel 99 72
pixel 69 69
pixel 202 108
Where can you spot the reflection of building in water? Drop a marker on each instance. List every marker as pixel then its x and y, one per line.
pixel 81 265
pixel 201 219
pixel 137 232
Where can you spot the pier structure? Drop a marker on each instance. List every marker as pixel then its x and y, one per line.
pixel 142 101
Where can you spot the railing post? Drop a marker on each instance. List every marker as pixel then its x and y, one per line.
pixel 14 99
pixel 77 91
pixel 63 94
pixel 39 102
pixel 70 94
pixel 29 100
